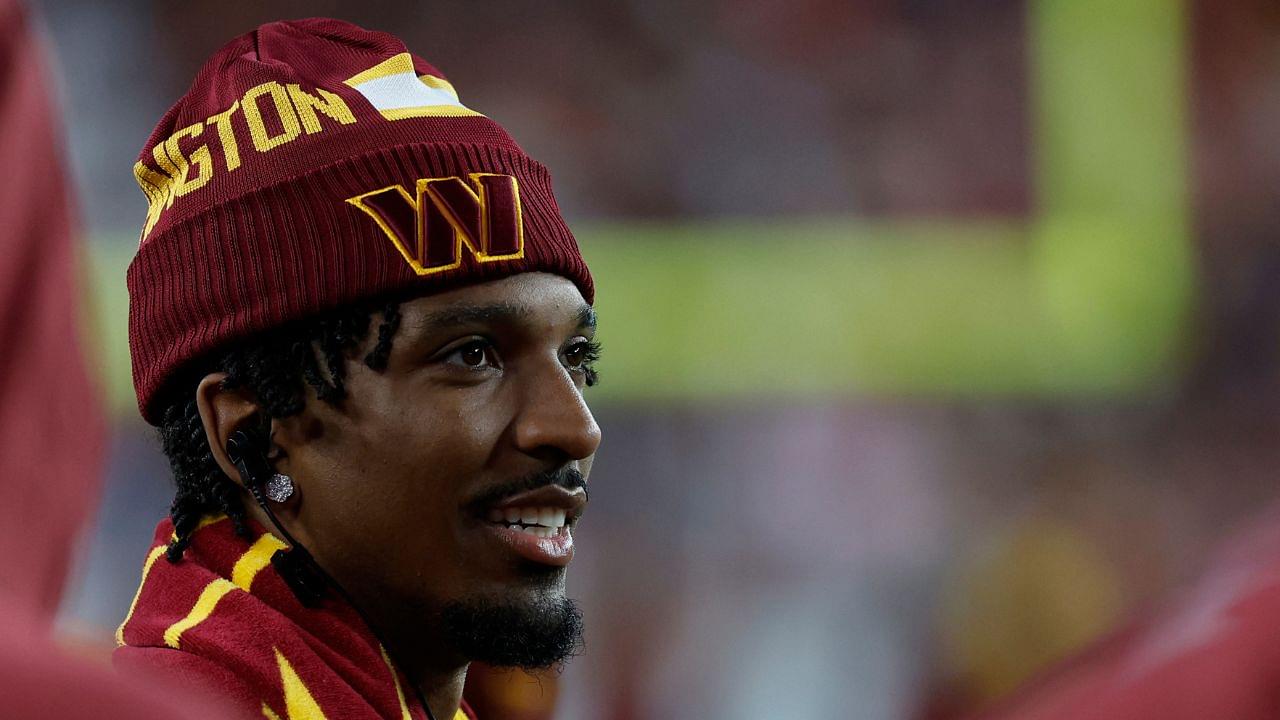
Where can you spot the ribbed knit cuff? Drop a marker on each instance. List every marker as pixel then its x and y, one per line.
pixel 297 248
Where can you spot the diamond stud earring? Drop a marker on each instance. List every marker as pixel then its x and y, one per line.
pixel 279 488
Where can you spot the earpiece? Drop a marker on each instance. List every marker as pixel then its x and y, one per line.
pixel 250 460
pixel 295 565
pixel 299 569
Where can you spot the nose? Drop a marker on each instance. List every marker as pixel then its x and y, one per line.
pixel 554 422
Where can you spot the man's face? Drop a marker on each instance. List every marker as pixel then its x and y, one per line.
pixel 415 491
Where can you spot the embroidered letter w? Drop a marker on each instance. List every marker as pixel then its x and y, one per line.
pixel 432 225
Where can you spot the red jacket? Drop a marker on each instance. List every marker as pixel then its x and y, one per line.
pixel 224 619
pixel 1212 653
pixel 51 423
pixel 41 681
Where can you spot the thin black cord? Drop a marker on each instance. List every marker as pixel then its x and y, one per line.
pixel 242 450
pixel 310 560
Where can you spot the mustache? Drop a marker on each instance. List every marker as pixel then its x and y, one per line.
pixel 566 477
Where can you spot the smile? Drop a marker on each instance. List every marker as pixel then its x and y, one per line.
pixel 538 525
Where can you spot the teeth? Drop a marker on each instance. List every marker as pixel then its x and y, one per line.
pixel 540 518
pixel 537 531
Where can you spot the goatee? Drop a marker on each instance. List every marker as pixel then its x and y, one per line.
pixel 530 636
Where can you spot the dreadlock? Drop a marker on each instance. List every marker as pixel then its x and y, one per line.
pixel 276 368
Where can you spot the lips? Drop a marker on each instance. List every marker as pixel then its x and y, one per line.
pixel 538 525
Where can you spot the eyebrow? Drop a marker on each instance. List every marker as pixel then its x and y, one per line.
pixel 493 313
pixel 587 318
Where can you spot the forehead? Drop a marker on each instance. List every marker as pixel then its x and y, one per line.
pixel 526 298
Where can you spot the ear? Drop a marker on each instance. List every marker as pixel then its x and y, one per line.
pixel 222 412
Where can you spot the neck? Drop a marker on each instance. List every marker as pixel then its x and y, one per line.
pixel 442 690
pixel 439 677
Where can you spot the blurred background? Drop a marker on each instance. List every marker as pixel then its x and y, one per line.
pixel 939 336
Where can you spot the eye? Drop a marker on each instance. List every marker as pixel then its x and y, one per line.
pixel 575 356
pixel 580 357
pixel 476 354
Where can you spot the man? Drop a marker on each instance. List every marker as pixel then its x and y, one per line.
pixel 364 331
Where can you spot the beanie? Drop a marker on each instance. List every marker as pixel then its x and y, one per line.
pixel 313 164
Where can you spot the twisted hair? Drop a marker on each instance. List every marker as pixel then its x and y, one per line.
pixel 276 368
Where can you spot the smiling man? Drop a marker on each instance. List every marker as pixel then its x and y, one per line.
pixel 364 331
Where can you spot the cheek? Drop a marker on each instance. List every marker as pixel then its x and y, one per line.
pixel 394 475
pixel 419 460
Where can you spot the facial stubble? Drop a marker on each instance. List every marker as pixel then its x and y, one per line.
pixel 531 633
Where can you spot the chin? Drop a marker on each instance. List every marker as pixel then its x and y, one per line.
pixel 532 629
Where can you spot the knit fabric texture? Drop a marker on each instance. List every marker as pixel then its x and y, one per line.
pixel 313 164
pixel 224 622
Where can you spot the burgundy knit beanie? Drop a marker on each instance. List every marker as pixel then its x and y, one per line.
pixel 312 164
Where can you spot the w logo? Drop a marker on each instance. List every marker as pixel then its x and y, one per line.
pixel 432 224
